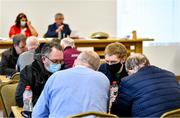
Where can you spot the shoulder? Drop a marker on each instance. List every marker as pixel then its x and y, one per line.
pixel 71 51
pixel 66 25
pixel 100 74
pixel 14 26
pixel 24 73
pixel 7 53
pixel 103 67
pixel 23 55
pixel 52 25
pixel 101 78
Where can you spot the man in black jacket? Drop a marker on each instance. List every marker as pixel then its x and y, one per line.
pixel 148 92
pixel 115 57
pixel 10 56
pixel 35 75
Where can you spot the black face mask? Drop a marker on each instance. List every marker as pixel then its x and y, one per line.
pixel 114 68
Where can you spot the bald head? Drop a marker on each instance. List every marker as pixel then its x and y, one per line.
pixel 67 42
pixel 32 43
pixel 89 59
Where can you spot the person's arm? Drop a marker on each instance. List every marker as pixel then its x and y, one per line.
pixel 4 65
pixel 68 30
pixel 41 108
pixel 51 32
pixel 18 64
pixel 32 29
pixel 24 80
pixel 122 105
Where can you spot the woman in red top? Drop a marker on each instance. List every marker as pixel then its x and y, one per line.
pixel 22 26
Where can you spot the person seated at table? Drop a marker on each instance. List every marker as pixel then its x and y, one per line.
pixel 115 57
pixel 75 90
pixel 149 91
pixel 9 57
pixel 70 52
pixel 35 75
pixel 22 26
pixel 27 57
pixel 59 29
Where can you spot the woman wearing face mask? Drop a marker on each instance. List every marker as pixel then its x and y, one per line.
pixel 22 26
pixel 115 57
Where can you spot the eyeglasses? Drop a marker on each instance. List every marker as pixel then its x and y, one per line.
pixel 55 61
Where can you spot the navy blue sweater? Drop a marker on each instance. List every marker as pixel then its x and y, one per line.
pixel 148 93
pixel 52 31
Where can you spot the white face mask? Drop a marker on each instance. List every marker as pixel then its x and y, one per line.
pixel 23 23
pixel 54 67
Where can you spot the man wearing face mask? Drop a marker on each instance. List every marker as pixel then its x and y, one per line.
pixel 22 26
pixel 9 57
pixel 115 57
pixel 35 75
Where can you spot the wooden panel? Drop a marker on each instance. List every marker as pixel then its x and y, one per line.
pixel 17 111
pixel 178 78
pixel 98 45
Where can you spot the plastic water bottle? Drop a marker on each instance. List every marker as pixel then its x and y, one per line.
pixel 113 94
pixel 113 91
pixel 27 99
pixel 59 35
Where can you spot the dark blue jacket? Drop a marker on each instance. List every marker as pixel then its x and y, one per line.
pixel 52 31
pixel 148 93
pixel 104 68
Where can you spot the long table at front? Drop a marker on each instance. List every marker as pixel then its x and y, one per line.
pixel 97 44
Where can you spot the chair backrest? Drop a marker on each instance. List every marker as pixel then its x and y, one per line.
pixel 16 77
pixel 171 114
pixel 95 114
pixel 7 95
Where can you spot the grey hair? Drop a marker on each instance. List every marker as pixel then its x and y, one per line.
pixel 58 14
pixel 67 42
pixel 89 58
pixel 136 61
pixel 32 41
pixel 18 38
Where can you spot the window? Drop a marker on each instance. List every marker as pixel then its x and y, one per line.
pixel 158 19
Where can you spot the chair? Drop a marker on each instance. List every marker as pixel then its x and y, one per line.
pixel 16 77
pixel 96 114
pixel 7 96
pixel 171 114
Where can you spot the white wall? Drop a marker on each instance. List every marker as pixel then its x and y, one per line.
pixel 84 16
pixel 165 56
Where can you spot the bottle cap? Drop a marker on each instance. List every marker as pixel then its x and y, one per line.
pixel 114 82
pixel 28 88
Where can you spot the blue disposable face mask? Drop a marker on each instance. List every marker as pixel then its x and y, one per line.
pixel 54 67
pixel 23 23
